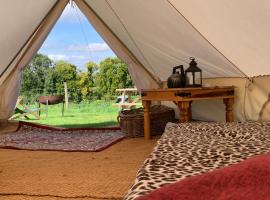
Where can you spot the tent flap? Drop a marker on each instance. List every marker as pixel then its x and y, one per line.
pixel 9 89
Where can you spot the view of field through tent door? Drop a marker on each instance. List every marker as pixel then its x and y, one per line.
pixel 73 60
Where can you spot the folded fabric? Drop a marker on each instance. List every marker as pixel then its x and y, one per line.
pixel 248 180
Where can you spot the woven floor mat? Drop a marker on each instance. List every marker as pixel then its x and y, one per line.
pixel 105 175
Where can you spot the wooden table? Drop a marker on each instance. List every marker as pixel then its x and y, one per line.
pixel 131 103
pixel 183 98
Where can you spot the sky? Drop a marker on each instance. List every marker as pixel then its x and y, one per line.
pixel 74 40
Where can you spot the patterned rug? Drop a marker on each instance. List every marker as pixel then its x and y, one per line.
pixel 38 137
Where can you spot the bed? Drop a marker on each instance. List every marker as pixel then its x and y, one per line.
pixel 189 149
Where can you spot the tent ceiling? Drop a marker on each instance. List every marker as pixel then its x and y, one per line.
pixel 228 38
pixel 18 20
pixel 160 37
pixel 239 29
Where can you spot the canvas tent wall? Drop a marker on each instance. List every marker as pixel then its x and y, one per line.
pixel 230 40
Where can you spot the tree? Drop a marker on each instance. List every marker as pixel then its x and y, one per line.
pixel 84 85
pixel 86 81
pixel 50 82
pixel 34 76
pixel 92 69
pixel 65 72
pixel 112 74
pixel 43 77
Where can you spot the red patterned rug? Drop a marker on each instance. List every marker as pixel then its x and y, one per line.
pixel 38 137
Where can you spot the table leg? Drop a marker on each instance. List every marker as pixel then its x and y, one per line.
pixel 123 100
pixel 190 111
pixel 184 108
pixel 63 108
pixel 47 107
pixel 129 97
pixel 146 111
pixel 229 109
pixel 39 109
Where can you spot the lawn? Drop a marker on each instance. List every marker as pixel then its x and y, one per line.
pixel 95 114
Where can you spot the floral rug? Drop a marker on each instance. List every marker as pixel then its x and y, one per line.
pixel 38 137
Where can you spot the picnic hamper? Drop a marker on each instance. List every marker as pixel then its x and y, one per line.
pixel 132 121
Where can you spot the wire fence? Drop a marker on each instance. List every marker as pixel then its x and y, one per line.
pixel 74 95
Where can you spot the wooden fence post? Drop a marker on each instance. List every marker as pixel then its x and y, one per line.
pixel 66 94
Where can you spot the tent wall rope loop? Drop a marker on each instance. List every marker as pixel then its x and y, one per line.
pixel 248 84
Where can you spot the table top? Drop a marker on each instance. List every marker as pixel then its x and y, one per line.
pixel 190 89
pixel 126 90
pixel 188 94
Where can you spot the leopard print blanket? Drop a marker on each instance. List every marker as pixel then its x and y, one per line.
pixel 189 149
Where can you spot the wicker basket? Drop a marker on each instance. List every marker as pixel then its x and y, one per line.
pixel 132 121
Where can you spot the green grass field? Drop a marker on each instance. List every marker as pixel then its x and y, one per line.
pixel 95 114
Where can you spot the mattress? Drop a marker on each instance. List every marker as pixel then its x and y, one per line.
pixel 189 149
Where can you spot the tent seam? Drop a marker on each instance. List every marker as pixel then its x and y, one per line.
pixel 234 65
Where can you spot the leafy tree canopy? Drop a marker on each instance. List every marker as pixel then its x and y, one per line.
pixel 44 77
pixel 113 74
pixel 34 76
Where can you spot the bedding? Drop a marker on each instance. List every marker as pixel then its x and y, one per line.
pixel 249 180
pixel 189 149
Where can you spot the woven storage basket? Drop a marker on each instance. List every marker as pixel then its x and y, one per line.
pixel 132 121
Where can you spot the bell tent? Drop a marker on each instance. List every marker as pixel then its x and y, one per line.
pixel 229 39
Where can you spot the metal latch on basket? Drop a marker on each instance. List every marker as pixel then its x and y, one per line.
pixel 182 94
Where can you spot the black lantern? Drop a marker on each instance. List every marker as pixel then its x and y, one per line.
pixel 193 74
